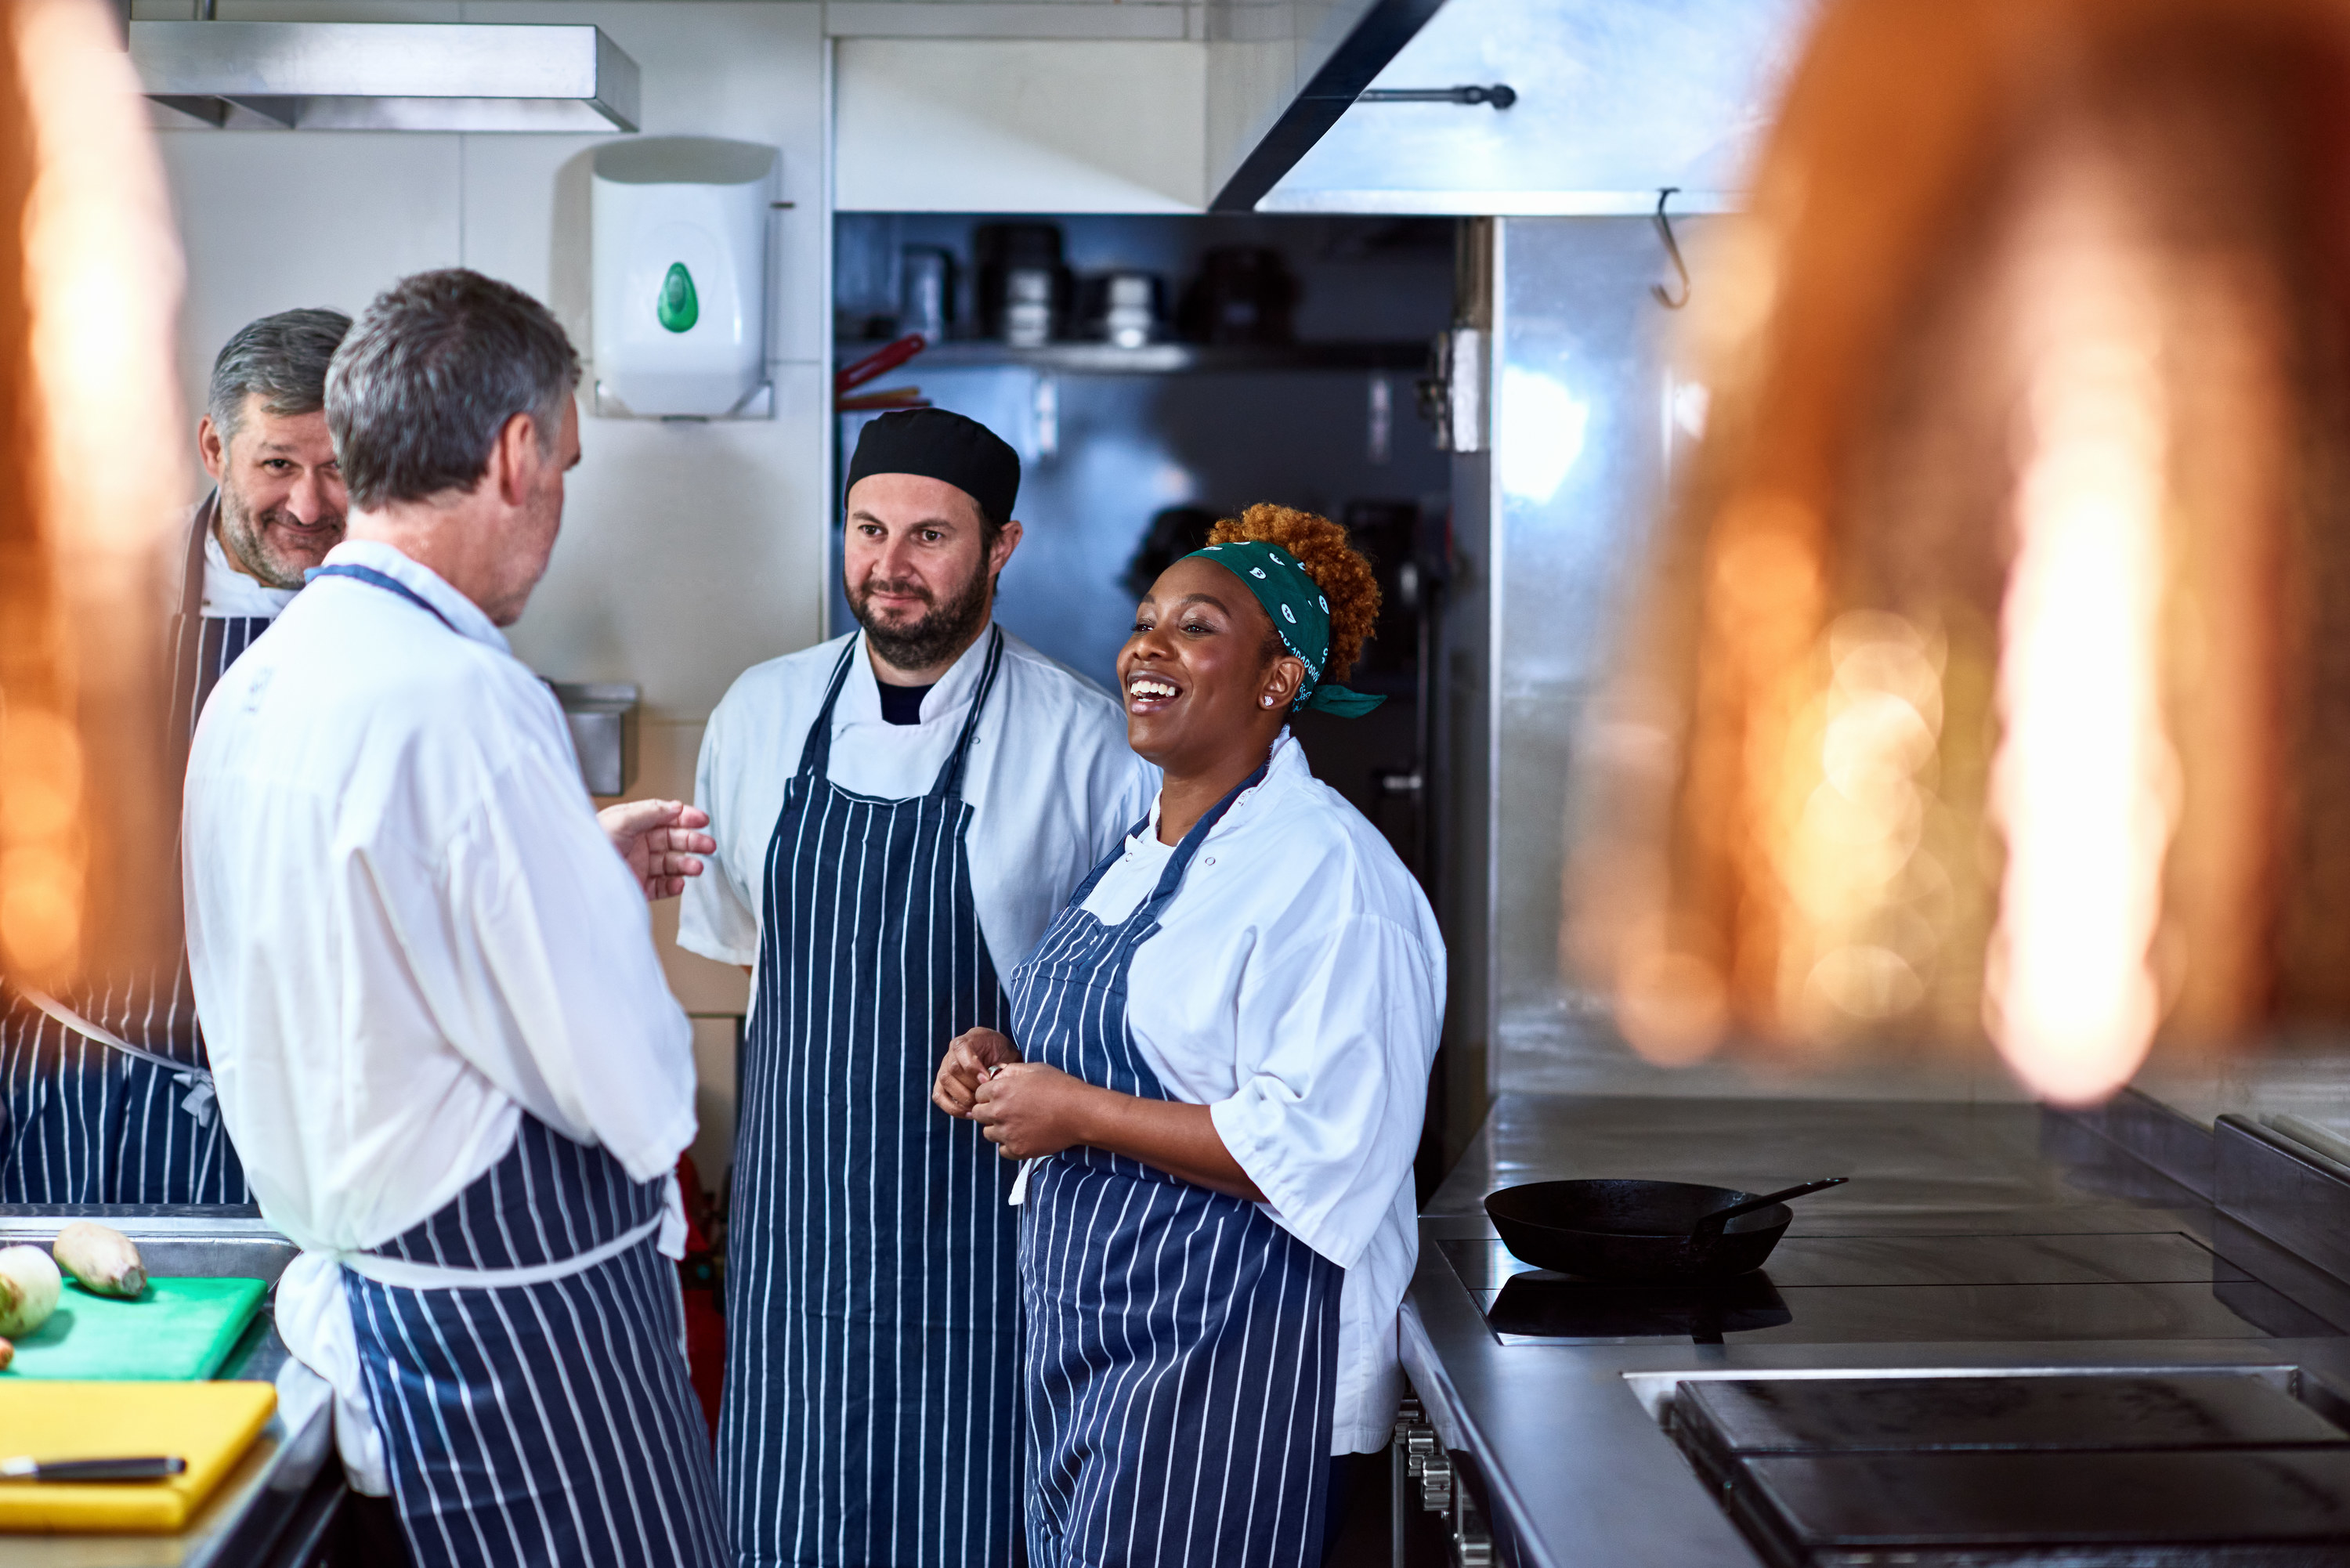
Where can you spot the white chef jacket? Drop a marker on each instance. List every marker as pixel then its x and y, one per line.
pixel 1050 779
pixel 405 926
pixel 228 592
pixel 1295 987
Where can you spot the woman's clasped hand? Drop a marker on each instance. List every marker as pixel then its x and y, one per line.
pixel 1026 1109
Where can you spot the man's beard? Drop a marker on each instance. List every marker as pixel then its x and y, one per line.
pixel 947 629
pixel 244 536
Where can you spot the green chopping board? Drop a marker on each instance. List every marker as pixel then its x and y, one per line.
pixel 178 1329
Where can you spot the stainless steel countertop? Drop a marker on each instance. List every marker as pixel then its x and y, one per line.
pixel 1564 1439
pixel 265 1493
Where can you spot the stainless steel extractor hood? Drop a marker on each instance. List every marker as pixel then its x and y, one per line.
pixel 1611 101
pixel 387 76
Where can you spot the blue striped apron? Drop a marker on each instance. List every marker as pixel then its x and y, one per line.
pixel 871 1408
pixel 1182 1347
pixel 546 1423
pixel 85 1122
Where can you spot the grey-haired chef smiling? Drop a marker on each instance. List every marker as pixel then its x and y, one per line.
pixel 109 1101
pixel 1217 1067
pixel 899 814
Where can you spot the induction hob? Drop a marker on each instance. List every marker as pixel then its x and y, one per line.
pixel 1879 1289
pixel 2111 1470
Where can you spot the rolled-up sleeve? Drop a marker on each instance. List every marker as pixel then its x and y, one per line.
pixel 1337 1029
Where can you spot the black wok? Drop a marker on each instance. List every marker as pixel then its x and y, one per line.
pixel 1635 1230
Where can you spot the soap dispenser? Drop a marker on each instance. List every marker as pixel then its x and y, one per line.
pixel 679 230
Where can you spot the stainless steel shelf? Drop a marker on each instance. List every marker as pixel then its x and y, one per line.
pixel 1155 359
pixel 388 76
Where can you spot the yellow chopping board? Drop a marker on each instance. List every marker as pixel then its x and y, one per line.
pixel 210 1425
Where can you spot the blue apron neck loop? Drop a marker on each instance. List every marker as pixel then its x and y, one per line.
pixel 368 575
pixel 815 753
pixel 1170 880
pixel 871 1248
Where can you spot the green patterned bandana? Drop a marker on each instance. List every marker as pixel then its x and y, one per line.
pixel 1300 613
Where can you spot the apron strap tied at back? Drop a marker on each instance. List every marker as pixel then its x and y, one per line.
pixel 197 1102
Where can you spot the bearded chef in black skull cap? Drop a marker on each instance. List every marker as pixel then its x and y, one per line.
pixel 899 812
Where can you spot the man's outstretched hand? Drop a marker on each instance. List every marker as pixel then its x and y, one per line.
pixel 661 841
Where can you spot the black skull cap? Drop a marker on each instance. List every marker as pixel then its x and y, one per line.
pixel 943 446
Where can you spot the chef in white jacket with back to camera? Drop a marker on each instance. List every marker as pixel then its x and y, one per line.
pixel 441 1036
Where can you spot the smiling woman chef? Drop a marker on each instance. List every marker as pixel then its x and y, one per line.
pixel 1226 1037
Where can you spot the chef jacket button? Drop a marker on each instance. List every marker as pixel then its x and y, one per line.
pixel 1211 860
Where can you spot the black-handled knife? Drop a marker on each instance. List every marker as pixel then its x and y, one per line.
pixel 148 1468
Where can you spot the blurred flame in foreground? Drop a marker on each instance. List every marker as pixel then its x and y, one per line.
pixel 89 285
pixel 2078 787
pixel 1994 672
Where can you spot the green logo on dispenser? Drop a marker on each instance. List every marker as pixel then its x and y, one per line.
pixel 677 308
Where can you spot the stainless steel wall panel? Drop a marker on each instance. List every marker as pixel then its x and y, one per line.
pixel 2293 1196
pixel 2180 1148
pixel 1583 433
pixel 1463 794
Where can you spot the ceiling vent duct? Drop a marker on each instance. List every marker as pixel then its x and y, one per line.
pixel 387 76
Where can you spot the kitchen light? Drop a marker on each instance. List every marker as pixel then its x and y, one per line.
pixel 1543 427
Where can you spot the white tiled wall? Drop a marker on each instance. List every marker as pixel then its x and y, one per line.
pixel 689 551
pixel 1009 125
pixel 1017 19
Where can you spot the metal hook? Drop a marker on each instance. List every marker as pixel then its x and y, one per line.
pixel 1673 249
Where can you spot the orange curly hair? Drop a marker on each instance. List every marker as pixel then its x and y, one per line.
pixel 1337 568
